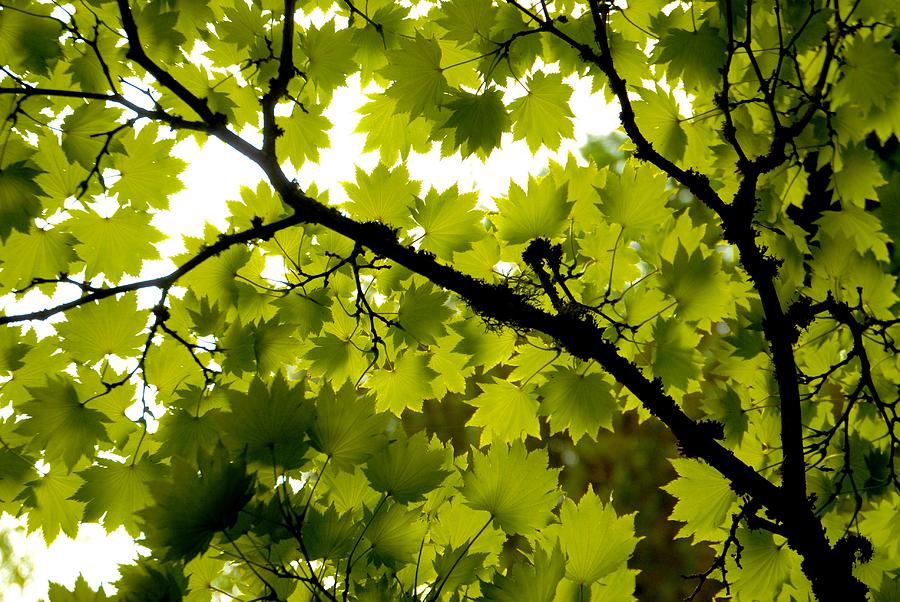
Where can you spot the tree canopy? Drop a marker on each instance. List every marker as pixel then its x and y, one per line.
pixel 355 401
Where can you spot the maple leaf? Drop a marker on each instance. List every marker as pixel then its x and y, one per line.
pixel 116 492
pixel 385 195
pixel 196 503
pixel 595 540
pixel 19 201
pixel 726 228
pixel 477 121
pixel 542 116
pixel 692 55
pixel 305 132
pixel 506 412
pixel 83 132
pixel 634 197
pixel 406 469
pixel 346 427
pixel 38 254
pixel 536 582
pixel 329 56
pixel 578 402
pixel 659 115
pixel 269 421
pixel 405 384
pixel 450 221
pixel 140 183
pixel 870 75
pixel 114 245
pixel 93 331
pixel 394 533
pixel 540 210
pixel 416 75
pixel 498 483
pixel 422 314
pixel 704 500
pixel 81 593
pixel 61 422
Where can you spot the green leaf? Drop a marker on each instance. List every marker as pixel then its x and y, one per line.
pixel 579 402
pixel 450 221
pixel 698 284
pixel 390 131
pixel 455 568
pixel 19 202
pixel 13 349
pixel 262 348
pixel 95 330
pixel 170 366
pixel 337 357
pixel 117 492
pixel 158 31
pixel 197 502
pixel 38 254
pixel 308 313
pixel 675 355
pixel 635 198
pixel 386 196
pixel 869 76
pixel 395 534
pixel 269 422
pixel 506 412
pixel 517 488
pixel 659 118
pixel 765 566
pixel 704 500
pixel 477 121
pixel 61 423
pixel 115 245
pixel 30 38
pixel 151 581
pixel 414 69
pixel 536 582
pixel 61 178
pixel 50 505
pixel 538 211
pixel 543 116
pixel 85 132
pixel 695 56
pixel 853 227
pixel 422 314
pixel 858 177
pixel 595 540
pixel 407 469
pixel 328 534
pixel 467 20
pixel 484 347
pixel 405 384
pixel 148 173
pixel 215 279
pixel 186 434
pixel 81 593
pixel 305 132
pixel 346 427
pixel 328 57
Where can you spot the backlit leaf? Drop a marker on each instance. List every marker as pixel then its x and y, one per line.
pixel 513 486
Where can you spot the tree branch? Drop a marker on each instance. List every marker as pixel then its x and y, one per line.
pixel 224 242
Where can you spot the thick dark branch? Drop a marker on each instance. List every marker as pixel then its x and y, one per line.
pixel 580 336
pixel 279 84
pixel 224 242
pixel 136 53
